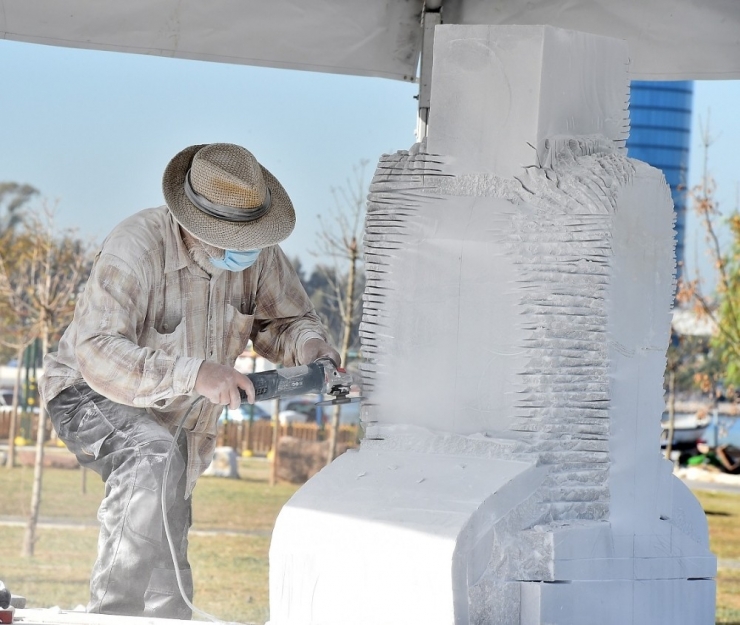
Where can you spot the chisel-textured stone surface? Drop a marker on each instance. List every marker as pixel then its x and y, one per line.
pixel 519 273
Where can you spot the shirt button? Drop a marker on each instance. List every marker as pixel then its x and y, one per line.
pixel 165 327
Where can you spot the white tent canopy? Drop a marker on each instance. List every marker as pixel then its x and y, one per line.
pixel 668 39
pixel 363 37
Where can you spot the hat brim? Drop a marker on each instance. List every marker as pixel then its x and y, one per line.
pixel 272 228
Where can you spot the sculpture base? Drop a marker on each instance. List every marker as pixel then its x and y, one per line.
pixel 386 536
pixel 389 537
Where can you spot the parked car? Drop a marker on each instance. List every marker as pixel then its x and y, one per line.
pixel 262 412
pixel 288 417
pixel 304 406
pixel 242 413
pixel 292 410
pixel 299 409
pixel 724 433
pixel 688 429
pixel 6 397
pixel 350 414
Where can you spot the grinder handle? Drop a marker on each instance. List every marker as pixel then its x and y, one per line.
pixel 286 382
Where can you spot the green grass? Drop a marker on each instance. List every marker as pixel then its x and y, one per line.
pixel 245 504
pixel 728 597
pixel 723 514
pixel 58 574
pixel 62 495
pixel 230 571
pixel 230 576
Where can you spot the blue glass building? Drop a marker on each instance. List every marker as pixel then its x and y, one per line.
pixel 660 120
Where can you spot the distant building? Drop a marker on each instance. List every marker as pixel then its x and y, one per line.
pixel 660 120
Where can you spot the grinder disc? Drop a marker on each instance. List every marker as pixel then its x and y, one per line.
pixel 338 401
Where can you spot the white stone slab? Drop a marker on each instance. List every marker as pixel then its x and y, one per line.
pixel 679 602
pixel 500 93
pixel 402 528
pixel 224 464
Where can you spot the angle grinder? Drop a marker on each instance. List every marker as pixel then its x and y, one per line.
pixel 321 376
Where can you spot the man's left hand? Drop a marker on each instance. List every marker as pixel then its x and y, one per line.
pixel 313 349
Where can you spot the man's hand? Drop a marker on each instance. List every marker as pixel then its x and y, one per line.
pixel 220 384
pixel 313 349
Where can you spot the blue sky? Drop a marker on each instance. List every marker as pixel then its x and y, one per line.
pixel 715 102
pixel 96 129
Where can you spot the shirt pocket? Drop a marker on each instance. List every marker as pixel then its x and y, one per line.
pixel 171 339
pixel 237 328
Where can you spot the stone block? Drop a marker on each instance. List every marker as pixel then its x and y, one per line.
pixel 499 93
pixel 300 460
pixel 223 464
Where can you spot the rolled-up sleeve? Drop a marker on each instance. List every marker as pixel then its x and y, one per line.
pixel 110 319
pixel 284 316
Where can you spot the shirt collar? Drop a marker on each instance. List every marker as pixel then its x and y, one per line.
pixel 176 254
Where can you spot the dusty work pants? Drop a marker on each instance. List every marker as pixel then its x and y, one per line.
pixel 134 573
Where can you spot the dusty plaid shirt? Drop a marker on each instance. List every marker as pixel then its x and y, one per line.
pixel 149 316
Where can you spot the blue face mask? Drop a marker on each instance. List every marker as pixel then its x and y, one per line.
pixel 236 261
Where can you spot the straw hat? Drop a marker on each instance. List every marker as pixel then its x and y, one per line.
pixel 220 194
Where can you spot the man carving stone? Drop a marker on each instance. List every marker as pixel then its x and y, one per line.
pixel 172 300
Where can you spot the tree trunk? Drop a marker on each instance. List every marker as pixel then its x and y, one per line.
pixel 29 539
pixel 349 301
pixel 275 440
pixel 10 462
pixel 671 413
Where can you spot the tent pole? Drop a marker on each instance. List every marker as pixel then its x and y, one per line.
pixel 431 17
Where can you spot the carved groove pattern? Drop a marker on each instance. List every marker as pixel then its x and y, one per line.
pixel 562 412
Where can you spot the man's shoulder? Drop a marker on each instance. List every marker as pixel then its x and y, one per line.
pixel 142 234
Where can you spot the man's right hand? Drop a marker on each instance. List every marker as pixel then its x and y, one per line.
pixel 220 384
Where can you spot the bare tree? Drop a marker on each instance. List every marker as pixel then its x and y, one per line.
pixel 13 196
pixel 47 278
pixel 340 240
pixel 723 306
pixel 19 327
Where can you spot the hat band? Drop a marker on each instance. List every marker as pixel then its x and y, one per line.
pixel 222 211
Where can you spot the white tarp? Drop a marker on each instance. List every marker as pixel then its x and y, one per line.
pixel 668 39
pixel 364 37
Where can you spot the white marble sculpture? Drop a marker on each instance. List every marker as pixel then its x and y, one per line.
pixel 519 282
